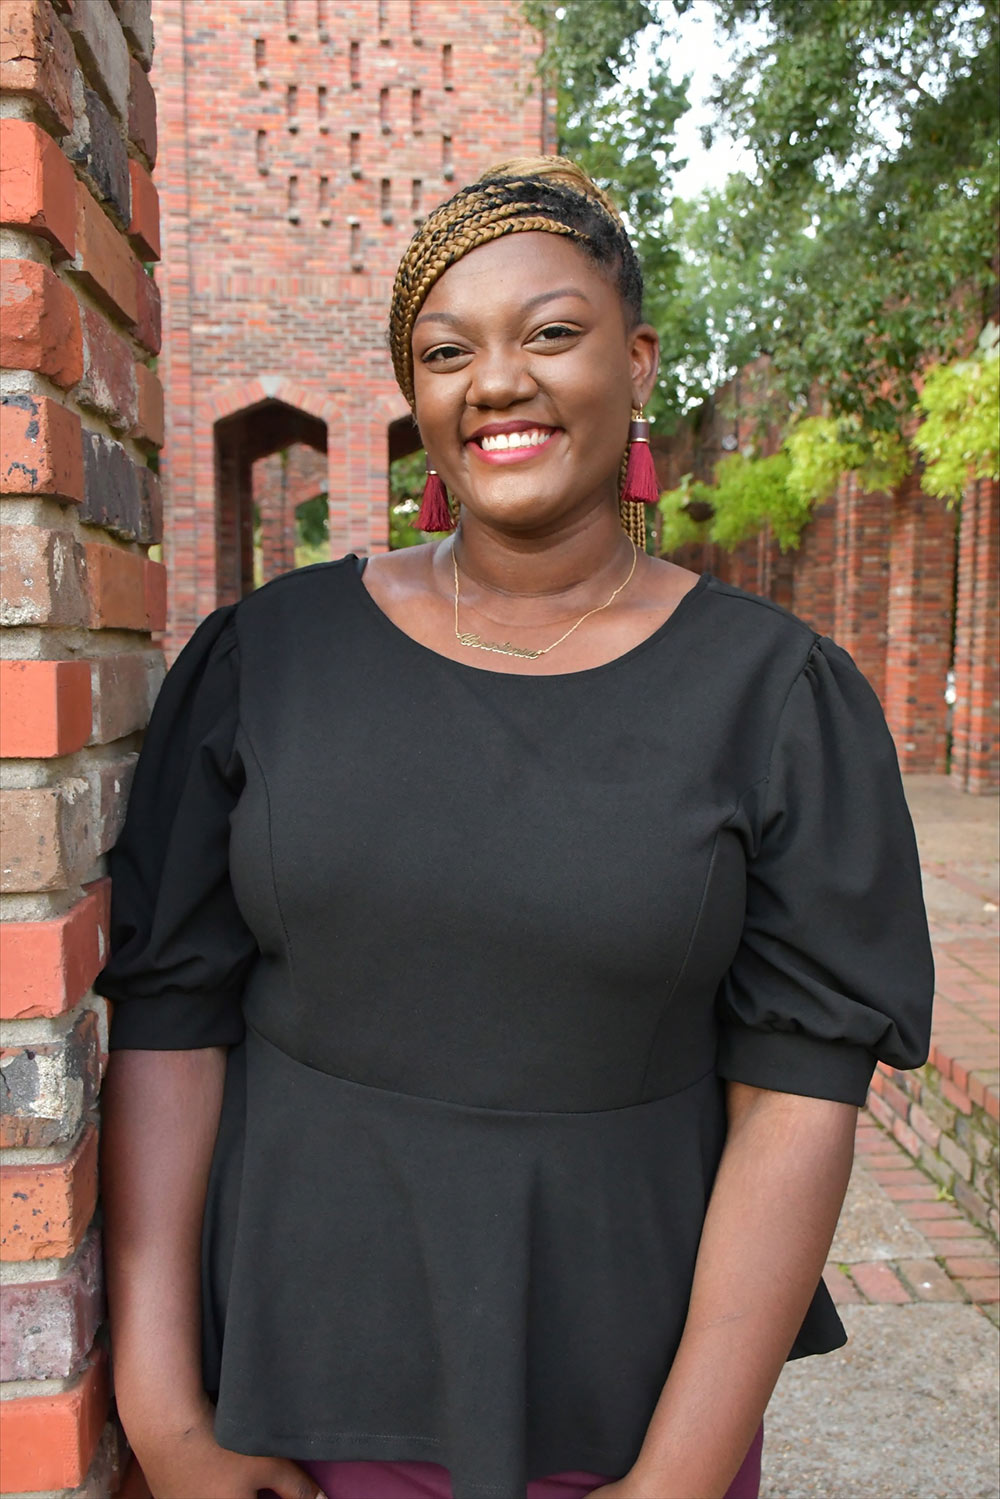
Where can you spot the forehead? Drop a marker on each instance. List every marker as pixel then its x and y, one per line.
pixel 508 272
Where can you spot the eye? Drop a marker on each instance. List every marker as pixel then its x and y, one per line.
pixel 553 332
pixel 441 353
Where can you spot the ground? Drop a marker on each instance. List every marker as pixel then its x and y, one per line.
pixel 908 1409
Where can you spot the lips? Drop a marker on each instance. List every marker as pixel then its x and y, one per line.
pixel 507 442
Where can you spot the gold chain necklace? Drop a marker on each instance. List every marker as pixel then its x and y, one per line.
pixel 504 648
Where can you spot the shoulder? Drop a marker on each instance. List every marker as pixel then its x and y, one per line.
pixel 759 615
pixel 304 596
pixel 745 644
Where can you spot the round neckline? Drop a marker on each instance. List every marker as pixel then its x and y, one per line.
pixel 357 575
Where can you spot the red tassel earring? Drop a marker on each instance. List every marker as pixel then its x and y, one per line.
pixel 641 484
pixel 435 513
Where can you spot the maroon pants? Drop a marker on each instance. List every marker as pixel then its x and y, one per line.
pixel 406 1480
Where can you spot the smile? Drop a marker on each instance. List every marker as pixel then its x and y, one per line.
pixel 510 447
pixel 505 440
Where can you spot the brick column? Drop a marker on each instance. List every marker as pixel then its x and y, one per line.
pixel 921 605
pixel 861 577
pixel 812 584
pixel 273 485
pixel 975 756
pixel 81 412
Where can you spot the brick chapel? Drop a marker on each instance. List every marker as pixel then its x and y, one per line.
pixel 299 147
pixel 300 144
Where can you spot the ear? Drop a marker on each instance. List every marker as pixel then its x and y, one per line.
pixel 644 361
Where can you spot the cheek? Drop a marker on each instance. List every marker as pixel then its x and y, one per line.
pixel 596 398
pixel 431 407
pixel 597 378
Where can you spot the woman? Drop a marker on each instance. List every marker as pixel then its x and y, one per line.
pixel 504 935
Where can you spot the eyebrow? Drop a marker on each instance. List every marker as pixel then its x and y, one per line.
pixel 532 302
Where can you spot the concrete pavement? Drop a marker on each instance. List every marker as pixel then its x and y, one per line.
pixel 908 1409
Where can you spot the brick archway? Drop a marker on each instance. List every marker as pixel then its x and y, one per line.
pixel 242 436
pixel 240 395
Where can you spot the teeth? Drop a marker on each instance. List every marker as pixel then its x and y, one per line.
pixel 503 441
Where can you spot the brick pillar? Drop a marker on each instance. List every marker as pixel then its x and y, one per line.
pixel 813 577
pixel 975 755
pixel 272 496
pixel 81 412
pixel 861 577
pixel 921 605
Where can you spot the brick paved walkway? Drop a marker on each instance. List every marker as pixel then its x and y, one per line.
pixel 966 1045
pixel 959 1262
pixel 907 1410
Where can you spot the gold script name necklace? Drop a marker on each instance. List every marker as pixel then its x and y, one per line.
pixel 504 647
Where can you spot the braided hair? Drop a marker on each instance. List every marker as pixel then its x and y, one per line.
pixel 547 193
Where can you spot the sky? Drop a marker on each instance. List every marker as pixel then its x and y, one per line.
pixel 701 51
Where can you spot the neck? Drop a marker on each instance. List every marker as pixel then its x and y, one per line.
pixel 590 551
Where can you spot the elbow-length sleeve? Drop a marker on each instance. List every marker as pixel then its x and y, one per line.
pixel 834 969
pixel 180 949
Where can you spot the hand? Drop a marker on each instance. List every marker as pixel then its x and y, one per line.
pixel 190 1464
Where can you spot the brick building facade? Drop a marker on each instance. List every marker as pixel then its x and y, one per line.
pixel 906 585
pixel 301 144
pixel 306 138
pixel 81 411
pixel 278 346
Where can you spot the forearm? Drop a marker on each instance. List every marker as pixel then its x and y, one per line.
pixel 767 1233
pixel 160 1119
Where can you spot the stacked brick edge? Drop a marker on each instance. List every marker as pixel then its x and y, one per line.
pixel 82 412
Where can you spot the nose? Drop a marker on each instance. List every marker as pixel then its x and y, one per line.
pixel 500 377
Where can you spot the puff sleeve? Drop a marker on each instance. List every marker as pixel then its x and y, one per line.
pixel 180 949
pixel 834 969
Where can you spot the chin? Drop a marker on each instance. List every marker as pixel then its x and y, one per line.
pixel 514 514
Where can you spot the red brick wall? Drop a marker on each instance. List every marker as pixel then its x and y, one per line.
pixel 815 571
pixel 878 572
pixel 300 146
pixel 919 624
pixel 280 483
pixel 976 742
pixel 861 577
pixel 80 410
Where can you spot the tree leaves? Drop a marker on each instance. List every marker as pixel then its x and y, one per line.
pixel 863 243
pixel 960 434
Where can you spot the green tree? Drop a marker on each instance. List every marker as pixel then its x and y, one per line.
pixel 621 135
pixel 863 244
pixel 860 247
pixel 960 435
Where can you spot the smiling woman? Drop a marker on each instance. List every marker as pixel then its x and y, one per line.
pixel 566 1039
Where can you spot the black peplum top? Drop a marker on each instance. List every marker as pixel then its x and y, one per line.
pixel 484 948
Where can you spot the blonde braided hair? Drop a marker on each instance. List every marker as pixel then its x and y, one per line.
pixel 526 194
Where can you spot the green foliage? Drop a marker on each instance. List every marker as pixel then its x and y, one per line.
pixel 863 241
pixel 778 491
pixel 748 494
pixel 588 45
pixel 958 439
pixel 406 477
pixel 312 531
pixel 312 522
pixel 752 492
pixel 677 527
pixel 306 553
pixel 859 247
pixel 621 136
pixel 821 449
